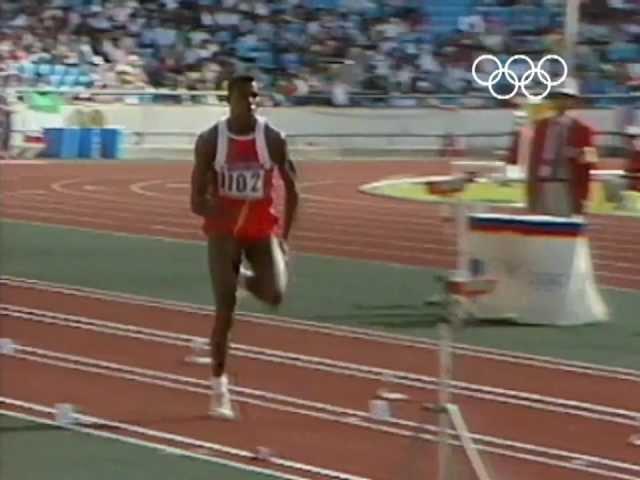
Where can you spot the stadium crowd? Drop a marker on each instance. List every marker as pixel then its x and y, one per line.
pixel 307 50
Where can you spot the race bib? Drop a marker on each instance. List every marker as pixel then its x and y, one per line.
pixel 242 184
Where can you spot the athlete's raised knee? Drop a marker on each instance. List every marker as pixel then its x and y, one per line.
pixel 271 294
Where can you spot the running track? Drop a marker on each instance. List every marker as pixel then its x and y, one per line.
pixel 304 390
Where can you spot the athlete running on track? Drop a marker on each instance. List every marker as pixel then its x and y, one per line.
pixel 232 189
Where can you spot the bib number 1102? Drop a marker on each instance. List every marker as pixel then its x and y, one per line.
pixel 242 183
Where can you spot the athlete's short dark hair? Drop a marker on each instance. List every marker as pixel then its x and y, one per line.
pixel 237 81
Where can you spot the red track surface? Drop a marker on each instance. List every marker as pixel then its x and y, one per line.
pixel 336 220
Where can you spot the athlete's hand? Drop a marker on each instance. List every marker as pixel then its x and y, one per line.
pixel 207 207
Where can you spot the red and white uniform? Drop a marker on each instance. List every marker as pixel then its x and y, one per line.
pixel 556 161
pixel 244 191
pixel 634 165
pixel 520 149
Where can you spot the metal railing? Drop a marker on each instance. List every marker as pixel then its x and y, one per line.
pixel 361 98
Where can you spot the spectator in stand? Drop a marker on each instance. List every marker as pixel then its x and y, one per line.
pixel 199 43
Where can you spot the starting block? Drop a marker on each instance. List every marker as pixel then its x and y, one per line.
pixel 199 346
pixel 7 346
pixel 264 454
pixel 198 359
pixel 384 394
pixel 66 414
pixel 380 409
pixel 199 353
pixel 380 405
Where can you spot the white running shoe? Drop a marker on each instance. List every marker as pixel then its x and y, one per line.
pixel 244 273
pixel 220 406
pixel 281 263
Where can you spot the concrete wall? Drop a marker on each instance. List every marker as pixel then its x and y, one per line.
pixel 177 126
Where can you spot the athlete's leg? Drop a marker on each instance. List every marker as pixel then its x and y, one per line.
pixel 224 259
pixel 269 280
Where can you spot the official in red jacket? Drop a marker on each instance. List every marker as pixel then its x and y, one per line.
pixel 561 156
pixel 632 172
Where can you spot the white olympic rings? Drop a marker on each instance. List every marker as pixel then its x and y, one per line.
pixel 517 83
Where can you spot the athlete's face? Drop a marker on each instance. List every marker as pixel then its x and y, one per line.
pixel 244 98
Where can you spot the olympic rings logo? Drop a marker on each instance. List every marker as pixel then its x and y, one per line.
pixel 519 84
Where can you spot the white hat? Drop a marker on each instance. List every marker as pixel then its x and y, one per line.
pixel 633 130
pixel 121 68
pixel 134 60
pixel 568 87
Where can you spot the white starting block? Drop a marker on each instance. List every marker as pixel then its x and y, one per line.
pixel 380 409
pixel 264 454
pixel 380 406
pixel 390 396
pixel 66 414
pixel 199 352
pixel 7 346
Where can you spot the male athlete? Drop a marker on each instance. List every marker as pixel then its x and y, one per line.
pixel 232 189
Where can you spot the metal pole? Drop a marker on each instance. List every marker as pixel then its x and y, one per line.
pixel 444 398
pixel 571 20
pixel 462 235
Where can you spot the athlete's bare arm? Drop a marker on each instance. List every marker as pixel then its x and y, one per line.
pixel 280 156
pixel 203 172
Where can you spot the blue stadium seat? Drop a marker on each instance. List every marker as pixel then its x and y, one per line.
pixel 84 81
pixel 73 71
pixel 323 4
pixel 55 80
pixel 59 70
pixel 444 14
pixel 622 53
pixel 265 60
pixel 68 81
pixel 44 69
pixel 27 69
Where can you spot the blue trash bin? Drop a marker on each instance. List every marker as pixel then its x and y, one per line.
pixel 53 142
pixel 112 142
pixel 70 143
pixel 62 142
pixel 90 143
